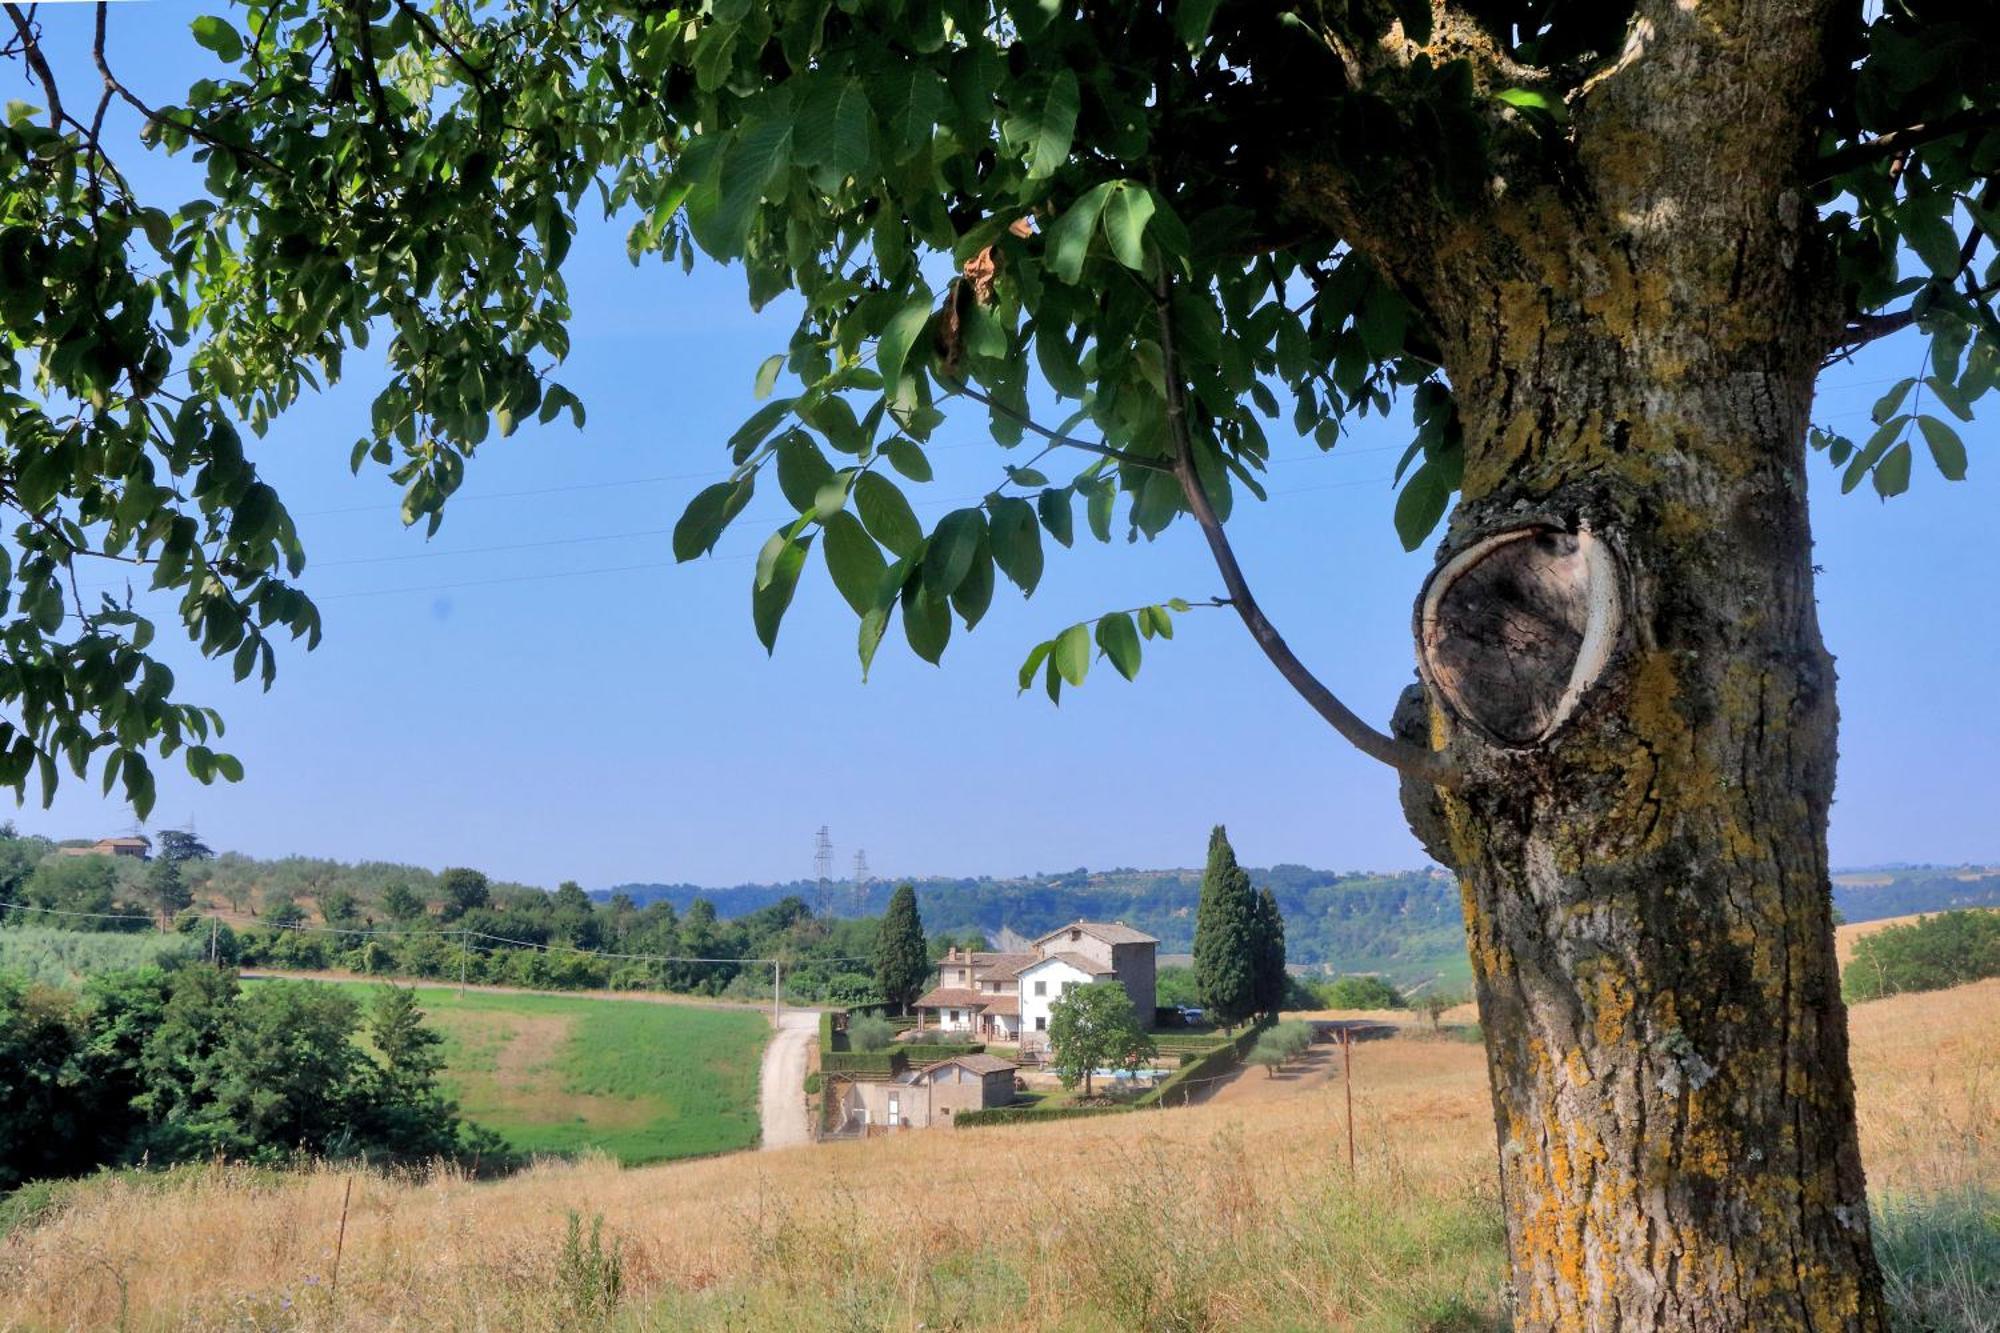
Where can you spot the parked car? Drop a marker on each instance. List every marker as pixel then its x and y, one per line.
pixel 1191 1013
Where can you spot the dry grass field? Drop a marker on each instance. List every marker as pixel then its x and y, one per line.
pixel 1238 1214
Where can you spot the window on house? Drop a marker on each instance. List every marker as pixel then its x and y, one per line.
pixel 1041 1023
pixel 1066 985
pixel 1041 988
pixel 954 1014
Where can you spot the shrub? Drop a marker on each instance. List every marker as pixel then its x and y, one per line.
pixel 1931 953
pixel 869 1033
pixel 1014 1115
pixel 1359 992
pixel 589 1277
pixel 814 1082
pixel 864 1062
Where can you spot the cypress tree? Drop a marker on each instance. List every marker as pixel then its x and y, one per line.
pixel 1270 954
pixel 901 964
pixel 1225 953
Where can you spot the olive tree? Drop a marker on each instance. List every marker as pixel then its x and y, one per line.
pixel 1600 253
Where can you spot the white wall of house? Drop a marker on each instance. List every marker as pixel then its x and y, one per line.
pixel 1042 984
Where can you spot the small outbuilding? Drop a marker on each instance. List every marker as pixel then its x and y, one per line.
pixel 925 1097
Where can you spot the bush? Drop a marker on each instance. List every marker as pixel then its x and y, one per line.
pixel 814 1082
pixel 1179 1086
pixel 1359 992
pixel 878 1063
pixel 1931 953
pixel 869 1033
pixel 1014 1115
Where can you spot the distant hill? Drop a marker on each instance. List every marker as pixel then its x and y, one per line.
pixel 1885 891
pixel 1404 923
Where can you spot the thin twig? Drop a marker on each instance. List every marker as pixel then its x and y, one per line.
pixel 1404 758
pixel 1054 437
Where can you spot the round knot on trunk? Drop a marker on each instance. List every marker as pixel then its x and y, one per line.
pixel 1515 629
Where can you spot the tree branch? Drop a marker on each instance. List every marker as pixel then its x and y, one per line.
pixel 1404 758
pixel 31 50
pixel 1845 159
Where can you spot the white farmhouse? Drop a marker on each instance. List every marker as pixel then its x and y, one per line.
pixel 1006 997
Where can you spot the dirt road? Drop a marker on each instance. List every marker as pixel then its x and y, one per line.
pixel 781 1085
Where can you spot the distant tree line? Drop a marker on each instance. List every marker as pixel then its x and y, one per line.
pixel 177 1064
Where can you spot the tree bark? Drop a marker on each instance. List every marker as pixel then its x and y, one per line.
pixel 1632 329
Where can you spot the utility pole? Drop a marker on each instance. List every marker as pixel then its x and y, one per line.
pixel 777 992
pixel 861 882
pixel 461 964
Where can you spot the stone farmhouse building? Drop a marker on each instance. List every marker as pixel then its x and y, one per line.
pixel 1006 996
pixel 923 1097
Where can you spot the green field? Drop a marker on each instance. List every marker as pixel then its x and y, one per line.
pixel 641 1082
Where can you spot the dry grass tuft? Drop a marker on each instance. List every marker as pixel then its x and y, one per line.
pixel 1234 1215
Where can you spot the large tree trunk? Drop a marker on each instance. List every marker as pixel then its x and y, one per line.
pixel 1632 329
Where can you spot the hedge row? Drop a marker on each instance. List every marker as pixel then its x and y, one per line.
pixel 1177 1088
pixel 922 1052
pixel 863 1062
pixel 1014 1115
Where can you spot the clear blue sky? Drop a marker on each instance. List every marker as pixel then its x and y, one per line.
pixel 579 707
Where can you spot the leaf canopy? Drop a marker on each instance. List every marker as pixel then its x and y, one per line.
pixel 1009 207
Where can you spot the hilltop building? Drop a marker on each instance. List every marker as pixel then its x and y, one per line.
pixel 137 846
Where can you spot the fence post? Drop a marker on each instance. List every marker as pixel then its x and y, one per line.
pixel 1347 1084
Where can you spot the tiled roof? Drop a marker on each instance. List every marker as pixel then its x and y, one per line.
pixel 1002 1004
pixel 978 1064
pixel 1088 966
pixel 1002 966
pixel 952 997
pixel 1111 932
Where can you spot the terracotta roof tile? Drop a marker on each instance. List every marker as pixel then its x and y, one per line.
pixel 1111 932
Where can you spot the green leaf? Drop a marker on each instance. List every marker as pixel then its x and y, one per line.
pixel 974 593
pixel 1421 504
pixel 802 469
pixel 1947 450
pixel 907 459
pixel 215 35
pixel 1069 239
pixel 1017 542
pixel 948 556
pixel 875 620
pixel 755 155
pixel 705 517
pixel 1120 642
pixel 1098 507
pixel 833 128
pixel 1889 403
pixel 1036 656
pixel 898 337
pixel 887 515
pixel 1057 513
pixel 912 101
pixel 1126 214
pixel 767 374
pixel 926 621
pixel 774 588
pixel 1191 20
pixel 854 561
pixel 1950 395
pixel 1054 126
pixel 1878 444
pixel 1892 474
pixel 1071 656
pixel 1530 100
